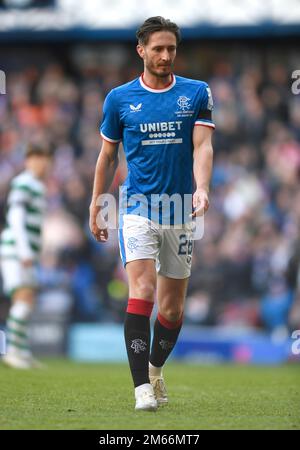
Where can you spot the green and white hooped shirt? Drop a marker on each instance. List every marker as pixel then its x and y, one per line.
pixel 21 237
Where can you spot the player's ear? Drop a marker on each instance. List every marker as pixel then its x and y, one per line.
pixel 141 51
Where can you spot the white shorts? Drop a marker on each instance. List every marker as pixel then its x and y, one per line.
pixel 171 248
pixel 15 276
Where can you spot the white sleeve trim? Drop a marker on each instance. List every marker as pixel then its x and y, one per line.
pixel 207 124
pixel 113 141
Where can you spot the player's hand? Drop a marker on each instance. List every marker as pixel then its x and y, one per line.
pixel 27 263
pixel 97 224
pixel 200 202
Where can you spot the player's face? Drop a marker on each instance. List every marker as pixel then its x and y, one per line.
pixel 159 53
pixel 40 164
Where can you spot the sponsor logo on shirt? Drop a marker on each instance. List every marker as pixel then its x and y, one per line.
pixel 161 132
pixel 137 108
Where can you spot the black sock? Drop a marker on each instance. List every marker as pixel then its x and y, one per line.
pixel 137 338
pixel 164 340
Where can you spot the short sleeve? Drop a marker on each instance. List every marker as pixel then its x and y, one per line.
pixel 206 105
pixel 111 128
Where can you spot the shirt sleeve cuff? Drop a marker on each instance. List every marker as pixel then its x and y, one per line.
pixel 106 138
pixel 204 124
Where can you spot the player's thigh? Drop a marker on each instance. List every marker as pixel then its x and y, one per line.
pixel 175 257
pixel 142 279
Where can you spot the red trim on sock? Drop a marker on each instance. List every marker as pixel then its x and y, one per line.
pixel 139 307
pixel 167 324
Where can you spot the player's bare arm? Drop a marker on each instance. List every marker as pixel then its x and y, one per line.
pixel 202 168
pixel 104 173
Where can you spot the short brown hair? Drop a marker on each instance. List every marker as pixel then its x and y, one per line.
pixel 36 149
pixel 157 23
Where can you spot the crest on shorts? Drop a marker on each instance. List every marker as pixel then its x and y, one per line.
pixel 132 243
pixel 138 345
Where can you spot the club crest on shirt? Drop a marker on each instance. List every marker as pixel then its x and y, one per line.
pixel 183 103
pixel 184 106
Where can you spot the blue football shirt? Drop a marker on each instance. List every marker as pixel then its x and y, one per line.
pixel 156 129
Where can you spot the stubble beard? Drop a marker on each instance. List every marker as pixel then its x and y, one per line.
pixel 157 73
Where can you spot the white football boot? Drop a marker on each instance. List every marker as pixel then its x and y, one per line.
pixel 16 361
pixel 20 360
pixel 145 398
pixel 159 389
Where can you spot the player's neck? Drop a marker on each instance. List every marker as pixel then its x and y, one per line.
pixel 155 82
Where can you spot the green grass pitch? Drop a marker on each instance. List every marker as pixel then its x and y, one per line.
pixel 69 395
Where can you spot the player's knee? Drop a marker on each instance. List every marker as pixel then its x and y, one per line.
pixel 26 294
pixel 173 313
pixel 144 290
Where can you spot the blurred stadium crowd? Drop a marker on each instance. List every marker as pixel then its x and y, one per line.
pixel 243 274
